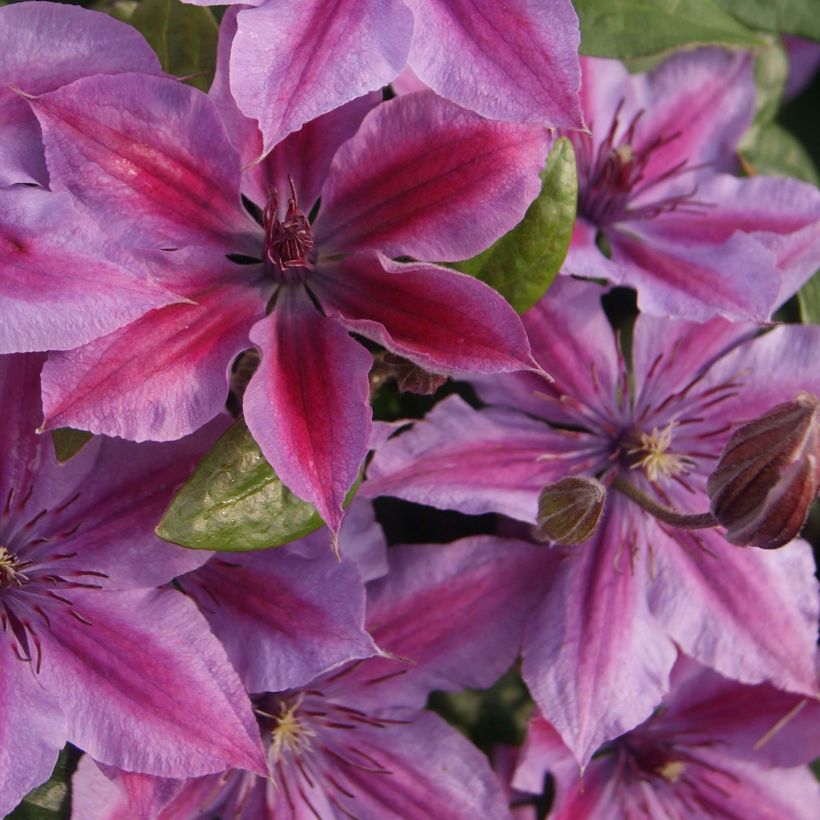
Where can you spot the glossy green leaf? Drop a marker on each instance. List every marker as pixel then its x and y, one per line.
pixel 809 300
pixel 524 262
pixel 235 502
pixel 774 151
pixel 789 16
pixel 184 37
pixel 638 28
pixel 68 442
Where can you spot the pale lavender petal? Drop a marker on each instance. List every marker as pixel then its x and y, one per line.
pixel 407 82
pixel 32 730
pixel 450 185
pixel 166 374
pixel 149 158
pixel 61 284
pixel 184 714
pixel 433 608
pixel 307 405
pixel 473 461
pixel 516 61
pixel 44 46
pixel 444 321
pixel 291 63
pixel 595 659
pixel 283 619
pixel 584 257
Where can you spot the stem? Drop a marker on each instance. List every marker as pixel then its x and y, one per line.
pixel 696 521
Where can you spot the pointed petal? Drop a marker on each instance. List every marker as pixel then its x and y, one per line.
pixel 32 730
pixel 749 614
pixel 283 619
pixel 307 404
pixel 291 63
pixel 434 606
pixel 595 659
pixel 44 46
pixel 450 185
pixel 737 279
pixel 166 374
pixel 445 321
pixel 160 172
pixel 515 61
pixel 61 284
pixel 184 714
pixel 474 462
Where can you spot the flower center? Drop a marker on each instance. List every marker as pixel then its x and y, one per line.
pixel 11 567
pixel 289 734
pixel 611 178
pixel 289 254
pixel 652 454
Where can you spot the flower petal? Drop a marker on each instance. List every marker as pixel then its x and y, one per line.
pixel 149 158
pixel 291 63
pixel 184 714
pixel 450 184
pixel 516 61
pixel 61 284
pixel 166 374
pixel 307 404
pixel 445 321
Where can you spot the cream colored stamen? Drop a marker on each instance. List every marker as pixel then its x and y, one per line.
pixel 656 461
pixel 10 569
pixel 672 770
pixel 290 734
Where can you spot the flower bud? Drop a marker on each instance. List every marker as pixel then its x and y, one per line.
pixel 769 475
pixel 409 377
pixel 569 510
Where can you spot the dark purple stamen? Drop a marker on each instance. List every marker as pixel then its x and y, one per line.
pixel 288 241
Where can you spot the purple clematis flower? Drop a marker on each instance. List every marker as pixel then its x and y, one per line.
pixel 714 748
pixel 150 160
pixel 79 611
pixel 599 649
pixel 656 187
pixel 356 742
pixel 516 61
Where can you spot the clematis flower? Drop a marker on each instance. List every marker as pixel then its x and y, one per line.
pixel 356 742
pixel 656 188
pixel 43 46
pixel 714 748
pixel 150 160
pixel 79 611
pixel 599 649
pixel 516 61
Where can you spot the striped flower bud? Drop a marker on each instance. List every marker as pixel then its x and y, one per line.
pixel 569 510
pixel 769 475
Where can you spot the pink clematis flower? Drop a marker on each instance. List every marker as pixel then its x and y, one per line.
pixel 150 160
pixel 79 611
pixel 656 187
pixel 714 748
pixel 599 649
pixel 516 61
pixel 356 742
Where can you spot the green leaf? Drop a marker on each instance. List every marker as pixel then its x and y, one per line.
pixel 68 442
pixel 771 75
pixel 809 300
pixel 524 262
pixel 235 502
pixel 183 36
pixel 776 152
pixel 639 28
pixel 789 16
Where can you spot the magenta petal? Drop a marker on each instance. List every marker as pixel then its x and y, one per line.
pixel 283 619
pixel 450 185
pixel 61 284
pixel 307 405
pixel 434 607
pixel 166 374
pixel 292 62
pixel 32 731
pixel 158 172
pixel 475 462
pixel 595 659
pixel 514 61
pixel 446 322
pixel 184 714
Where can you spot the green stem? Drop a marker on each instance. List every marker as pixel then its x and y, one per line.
pixel 697 521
